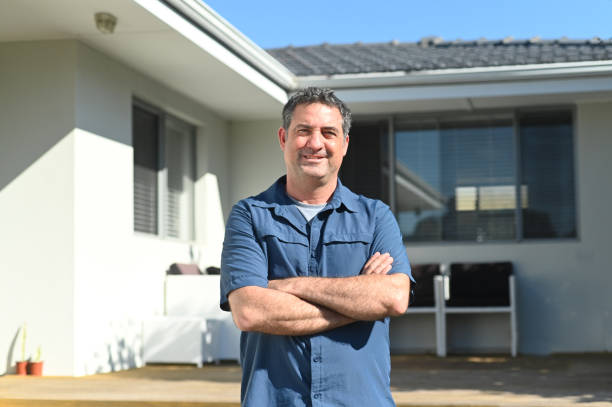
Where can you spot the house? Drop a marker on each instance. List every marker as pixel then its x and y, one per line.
pixel 122 152
pixel 501 151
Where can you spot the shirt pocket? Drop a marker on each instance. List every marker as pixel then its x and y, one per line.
pixel 344 254
pixel 286 250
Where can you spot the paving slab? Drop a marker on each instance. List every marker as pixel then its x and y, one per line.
pixel 416 381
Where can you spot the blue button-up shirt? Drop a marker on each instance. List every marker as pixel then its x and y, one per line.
pixel 268 238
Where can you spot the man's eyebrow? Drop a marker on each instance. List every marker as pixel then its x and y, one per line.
pixel 307 126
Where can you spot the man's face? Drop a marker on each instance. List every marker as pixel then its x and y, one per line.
pixel 314 143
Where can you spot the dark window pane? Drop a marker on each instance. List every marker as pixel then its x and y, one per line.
pixel 363 166
pixel 455 181
pixel 547 166
pixel 145 143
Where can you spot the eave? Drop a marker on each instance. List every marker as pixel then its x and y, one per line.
pixel 229 75
pixel 471 88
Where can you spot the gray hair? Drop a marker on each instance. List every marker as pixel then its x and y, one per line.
pixel 311 95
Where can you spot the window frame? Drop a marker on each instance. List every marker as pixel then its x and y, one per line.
pixel 396 121
pixel 162 175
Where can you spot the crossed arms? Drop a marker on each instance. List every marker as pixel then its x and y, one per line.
pixel 308 305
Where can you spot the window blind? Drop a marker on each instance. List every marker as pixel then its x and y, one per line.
pixel 180 179
pixel 145 142
pixel 455 181
pixel 164 167
pixel 547 167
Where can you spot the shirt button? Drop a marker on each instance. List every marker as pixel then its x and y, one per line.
pixel 317 395
pixel 317 359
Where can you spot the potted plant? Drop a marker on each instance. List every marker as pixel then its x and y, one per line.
pixel 35 366
pixel 22 364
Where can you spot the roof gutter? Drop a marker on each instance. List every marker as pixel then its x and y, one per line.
pixel 206 19
pixel 461 76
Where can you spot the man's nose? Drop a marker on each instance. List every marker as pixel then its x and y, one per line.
pixel 315 141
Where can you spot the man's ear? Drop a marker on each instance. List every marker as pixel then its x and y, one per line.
pixel 282 138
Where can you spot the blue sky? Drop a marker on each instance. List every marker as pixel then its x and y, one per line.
pixel 275 23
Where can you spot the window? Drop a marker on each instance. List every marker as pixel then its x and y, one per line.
pixel 145 142
pixel 367 155
pixel 547 168
pixel 163 173
pixel 487 177
pixel 455 181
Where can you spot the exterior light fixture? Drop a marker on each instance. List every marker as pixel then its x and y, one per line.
pixel 105 22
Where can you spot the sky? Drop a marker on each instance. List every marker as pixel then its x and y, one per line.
pixel 275 23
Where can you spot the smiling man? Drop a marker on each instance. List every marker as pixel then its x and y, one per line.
pixel 312 272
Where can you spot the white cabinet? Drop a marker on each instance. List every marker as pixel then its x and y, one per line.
pixel 194 326
pixel 173 340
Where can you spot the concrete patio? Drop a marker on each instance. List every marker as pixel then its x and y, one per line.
pixel 416 380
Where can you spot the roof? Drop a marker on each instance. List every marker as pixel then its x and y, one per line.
pixel 433 53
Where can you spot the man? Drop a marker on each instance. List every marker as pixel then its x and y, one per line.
pixel 311 273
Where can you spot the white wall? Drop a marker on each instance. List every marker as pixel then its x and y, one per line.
pixel 119 274
pixel 37 87
pixel 212 190
pixel 71 265
pixel 594 258
pixel 255 156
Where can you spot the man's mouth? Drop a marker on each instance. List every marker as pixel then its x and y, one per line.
pixel 307 155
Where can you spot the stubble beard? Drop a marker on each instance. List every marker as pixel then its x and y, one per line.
pixel 320 171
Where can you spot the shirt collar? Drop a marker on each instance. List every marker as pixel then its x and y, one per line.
pixel 277 196
pixel 344 197
pixel 277 199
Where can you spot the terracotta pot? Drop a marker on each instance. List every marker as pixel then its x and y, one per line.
pixel 22 368
pixel 35 368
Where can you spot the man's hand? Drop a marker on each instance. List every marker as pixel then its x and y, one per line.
pixel 378 264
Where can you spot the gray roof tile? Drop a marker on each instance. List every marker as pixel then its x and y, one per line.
pixel 433 53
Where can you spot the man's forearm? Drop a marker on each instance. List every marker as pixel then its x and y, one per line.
pixel 280 313
pixel 363 297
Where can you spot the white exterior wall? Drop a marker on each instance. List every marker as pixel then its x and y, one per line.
pixel 119 274
pixel 37 90
pixel 563 304
pixel 72 168
pixel 594 257
pixel 255 156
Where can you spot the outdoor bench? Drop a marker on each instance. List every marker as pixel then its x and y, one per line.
pixel 464 288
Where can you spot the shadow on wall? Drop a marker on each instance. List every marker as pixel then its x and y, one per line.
pixel 17 157
pixel 122 350
pixel 120 356
pixel 9 356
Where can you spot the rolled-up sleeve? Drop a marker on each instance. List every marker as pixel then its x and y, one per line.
pixel 243 261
